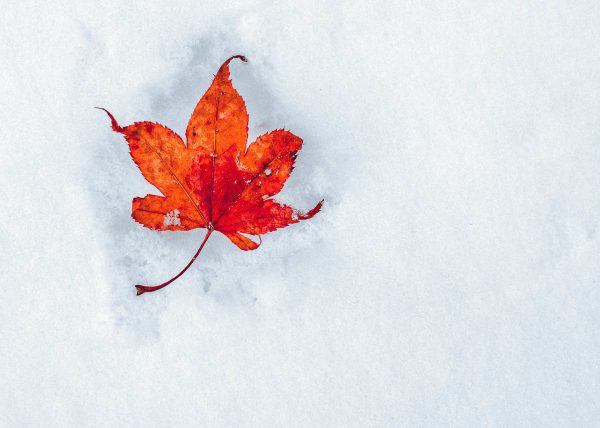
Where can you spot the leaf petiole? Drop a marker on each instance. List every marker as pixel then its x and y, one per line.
pixel 141 289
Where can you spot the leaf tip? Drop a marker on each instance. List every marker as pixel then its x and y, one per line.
pixel 240 57
pixel 115 125
pixel 314 211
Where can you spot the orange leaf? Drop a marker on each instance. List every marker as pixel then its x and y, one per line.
pixel 213 182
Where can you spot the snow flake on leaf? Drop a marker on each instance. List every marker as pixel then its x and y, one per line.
pixel 172 218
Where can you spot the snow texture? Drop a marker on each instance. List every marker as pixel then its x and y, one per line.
pixel 452 278
pixel 172 218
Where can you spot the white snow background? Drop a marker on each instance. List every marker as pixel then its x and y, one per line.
pixel 452 278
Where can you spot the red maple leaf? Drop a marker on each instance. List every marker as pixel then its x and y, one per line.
pixel 213 181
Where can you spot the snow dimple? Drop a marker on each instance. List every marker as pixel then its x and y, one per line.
pixel 172 218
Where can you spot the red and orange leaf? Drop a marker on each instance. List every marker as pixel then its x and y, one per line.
pixel 242 241
pixel 271 157
pixel 218 181
pixel 214 182
pixel 220 118
pixel 160 213
pixel 258 218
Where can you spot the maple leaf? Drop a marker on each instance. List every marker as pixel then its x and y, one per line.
pixel 213 181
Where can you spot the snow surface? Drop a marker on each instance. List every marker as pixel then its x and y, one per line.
pixel 452 278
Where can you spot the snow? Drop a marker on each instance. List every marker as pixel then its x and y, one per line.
pixel 451 279
pixel 172 218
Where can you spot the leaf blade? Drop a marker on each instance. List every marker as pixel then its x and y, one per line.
pixel 220 118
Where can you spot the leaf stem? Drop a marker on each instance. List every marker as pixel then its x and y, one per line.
pixel 141 289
